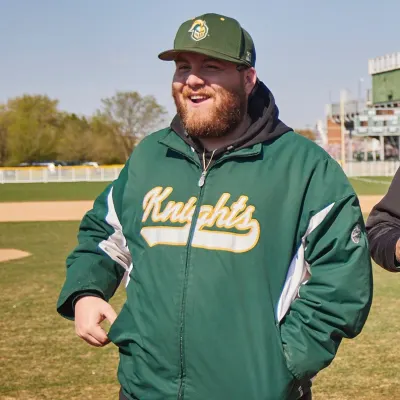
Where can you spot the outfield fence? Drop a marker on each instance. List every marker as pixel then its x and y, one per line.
pixel 371 168
pixel 60 174
pixel 108 173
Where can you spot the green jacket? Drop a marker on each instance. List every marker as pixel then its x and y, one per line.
pixel 242 288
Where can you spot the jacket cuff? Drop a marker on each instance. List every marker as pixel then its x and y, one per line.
pixel 85 294
pixel 393 263
pixel 67 308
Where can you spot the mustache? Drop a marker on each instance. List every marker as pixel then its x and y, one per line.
pixel 187 93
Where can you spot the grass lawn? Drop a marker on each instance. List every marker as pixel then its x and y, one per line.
pixel 368 367
pixel 51 191
pixel 371 184
pixel 41 358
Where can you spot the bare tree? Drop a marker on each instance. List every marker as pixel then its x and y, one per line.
pixel 132 117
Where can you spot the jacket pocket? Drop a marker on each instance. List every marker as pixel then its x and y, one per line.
pixel 298 387
pixel 123 331
pixel 294 389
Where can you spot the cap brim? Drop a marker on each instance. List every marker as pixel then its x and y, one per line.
pixel 171 55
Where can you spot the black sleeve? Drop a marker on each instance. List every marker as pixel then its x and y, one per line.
pixel 383 227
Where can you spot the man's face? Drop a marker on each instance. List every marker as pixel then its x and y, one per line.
pixel 210 95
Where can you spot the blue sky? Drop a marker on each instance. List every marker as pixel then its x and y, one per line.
pixel 80 51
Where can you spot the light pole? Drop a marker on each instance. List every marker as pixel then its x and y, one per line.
pixel 342 128
pixel 360 81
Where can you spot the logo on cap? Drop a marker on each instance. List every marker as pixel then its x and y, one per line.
pixel 199 30
pixel 248 56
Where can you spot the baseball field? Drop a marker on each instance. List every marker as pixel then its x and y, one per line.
pixel 40 356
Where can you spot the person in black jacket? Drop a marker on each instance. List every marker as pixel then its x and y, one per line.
pixel 383 228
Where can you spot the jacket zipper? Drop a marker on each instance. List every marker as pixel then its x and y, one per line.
pixel 201 183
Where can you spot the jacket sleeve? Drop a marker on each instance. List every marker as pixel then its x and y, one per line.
pixel 98 264
pixel 383 227
pixel 334 300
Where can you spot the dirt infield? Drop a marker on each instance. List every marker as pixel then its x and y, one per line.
pixel 44 211
pixel 12 254
pixel 367 202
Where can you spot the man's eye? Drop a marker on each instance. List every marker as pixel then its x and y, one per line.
pixel 183 68
pixel 212 67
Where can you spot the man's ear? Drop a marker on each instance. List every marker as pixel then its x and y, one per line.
pixel 250 79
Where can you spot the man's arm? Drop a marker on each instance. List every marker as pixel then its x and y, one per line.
pixel 334 297
pixel 383 227
pixel 101 259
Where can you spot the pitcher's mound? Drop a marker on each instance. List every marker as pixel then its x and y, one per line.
pixel 12 254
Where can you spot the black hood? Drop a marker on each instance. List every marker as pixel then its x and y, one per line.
pixel 264 123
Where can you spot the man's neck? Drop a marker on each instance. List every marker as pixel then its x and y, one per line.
pixel 215 143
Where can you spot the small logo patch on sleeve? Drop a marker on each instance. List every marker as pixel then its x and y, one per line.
pixel 356 234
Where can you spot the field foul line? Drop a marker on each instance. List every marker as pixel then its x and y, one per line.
pixel 370 180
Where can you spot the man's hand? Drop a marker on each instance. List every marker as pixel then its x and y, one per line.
pixel 398 251
pixel 90 311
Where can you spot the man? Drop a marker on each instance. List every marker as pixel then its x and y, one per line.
pixel 242 243
pixel 383 227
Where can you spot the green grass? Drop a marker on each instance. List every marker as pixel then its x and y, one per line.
pixel 51 191
pixel 368 367
pixel 41 358
pixel 367 185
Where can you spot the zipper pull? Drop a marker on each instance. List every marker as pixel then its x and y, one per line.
pixel 205 168
pixel 202 178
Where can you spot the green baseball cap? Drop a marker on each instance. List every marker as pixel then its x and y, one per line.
pixel 216 36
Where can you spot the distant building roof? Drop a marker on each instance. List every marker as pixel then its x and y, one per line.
pixel 388 62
